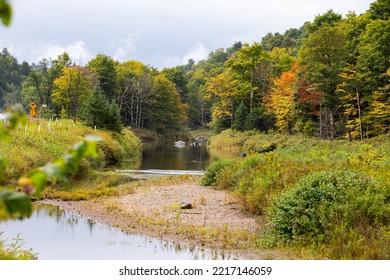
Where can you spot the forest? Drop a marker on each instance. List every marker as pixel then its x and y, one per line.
pixel 271 101
pixel 328 78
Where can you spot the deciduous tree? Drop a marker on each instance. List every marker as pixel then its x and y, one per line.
pixel 324 57
pixel 72 88
pixel 281 100
pixel 167 112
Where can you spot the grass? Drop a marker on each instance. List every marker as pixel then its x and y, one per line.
pixel 218 238
pixel 13 251
pixel 262 179
pixel 33 146
pixel 107 184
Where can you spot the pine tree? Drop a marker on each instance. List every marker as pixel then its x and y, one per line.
pixel 241 116
pixel 100 113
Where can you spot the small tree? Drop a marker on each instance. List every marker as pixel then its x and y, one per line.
pixel 100 113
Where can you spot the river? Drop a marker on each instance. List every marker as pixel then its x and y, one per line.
pixel 55 234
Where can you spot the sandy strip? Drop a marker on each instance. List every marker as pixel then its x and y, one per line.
pixel 213 209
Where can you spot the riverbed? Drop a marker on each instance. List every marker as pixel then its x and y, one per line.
pixel 55 232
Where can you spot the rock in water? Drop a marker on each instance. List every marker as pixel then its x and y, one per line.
pixel 180 144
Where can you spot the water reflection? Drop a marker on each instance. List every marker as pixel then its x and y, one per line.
pixel 61 235
pixel 165 155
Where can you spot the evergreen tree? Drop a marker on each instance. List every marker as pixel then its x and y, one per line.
pixel 100 113
pixel 257 119
pixel 240 117
pixel 103 67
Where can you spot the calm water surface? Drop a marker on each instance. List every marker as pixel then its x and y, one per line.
pixel 166 156
pixel 55 234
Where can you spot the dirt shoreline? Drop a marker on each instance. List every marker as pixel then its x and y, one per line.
pixel 216 220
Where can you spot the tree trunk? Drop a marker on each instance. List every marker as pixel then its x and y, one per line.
pixel 349 135
pixel 232 120
pixel 360 114
pixel 251 95
pixel 202 110
pixel 332 125
pixel 321 124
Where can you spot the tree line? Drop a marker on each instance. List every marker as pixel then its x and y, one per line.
pixel 328 78
pixel 104 93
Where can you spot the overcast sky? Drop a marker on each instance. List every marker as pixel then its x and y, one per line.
pixel 162 33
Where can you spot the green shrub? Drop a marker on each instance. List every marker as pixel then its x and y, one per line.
pixel 212 171
pixel 331 208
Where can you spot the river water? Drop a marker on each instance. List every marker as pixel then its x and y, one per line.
pixel 166 156
pixel 53 233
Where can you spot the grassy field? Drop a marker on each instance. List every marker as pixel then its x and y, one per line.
pixel 327 197
pixel 36 143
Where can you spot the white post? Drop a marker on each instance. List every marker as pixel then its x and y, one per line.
pixel 49 128
pixel 39 129
pixel 25 129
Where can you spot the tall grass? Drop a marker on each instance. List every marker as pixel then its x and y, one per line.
pixel 261 179
pixel 36 143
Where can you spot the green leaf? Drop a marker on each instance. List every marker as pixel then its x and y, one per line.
pixel 72 162
pixel 54 171
pixel 16 203
pixel 39 180
pixel 5 12
pixel 80 148
pixel 92 150
pixel 17 115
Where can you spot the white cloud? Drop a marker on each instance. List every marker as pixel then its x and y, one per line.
pixel 198 52
pixel 125 46
pixel 34 51
pixel 78 52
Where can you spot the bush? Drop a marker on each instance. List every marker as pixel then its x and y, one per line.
pixel 213 170
pixel 338 207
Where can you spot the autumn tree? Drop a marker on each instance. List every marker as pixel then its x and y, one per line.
pixel 72 88
pixel 281 99
pixel 379 113
pixel 226 87
pixel 253 65
pixel 350 91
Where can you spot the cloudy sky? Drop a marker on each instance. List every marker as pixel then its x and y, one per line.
pixel 162 33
